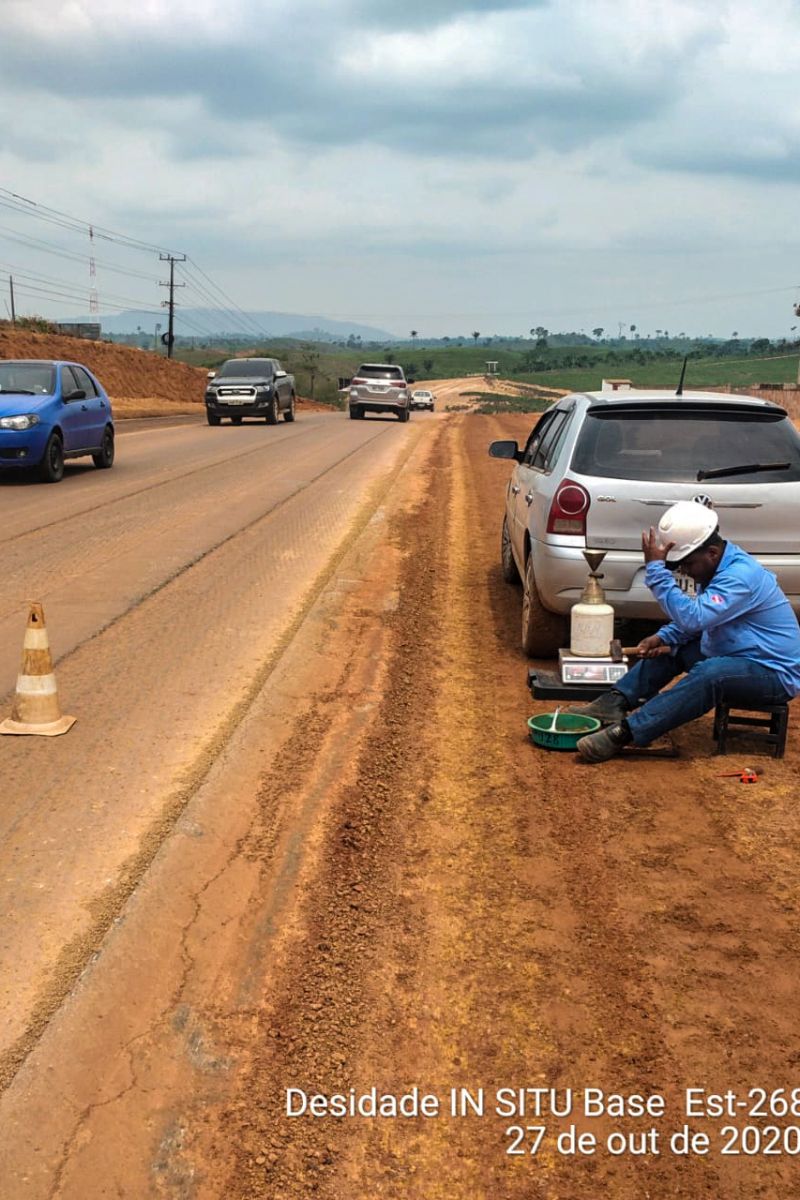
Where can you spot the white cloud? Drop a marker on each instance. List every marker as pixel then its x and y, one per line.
pixel 512 154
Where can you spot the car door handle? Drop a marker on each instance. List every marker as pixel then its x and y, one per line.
pixel 84 408
pixel 515 488
pixel 529 498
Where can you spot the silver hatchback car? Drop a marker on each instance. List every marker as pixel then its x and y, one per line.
pixel 601 466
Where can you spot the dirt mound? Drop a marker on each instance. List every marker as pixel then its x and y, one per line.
pixel 139 382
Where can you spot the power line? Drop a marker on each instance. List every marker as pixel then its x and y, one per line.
pixel 261 332
pixel 38 277
pixel 75 300
pixel 24 206
pixel 54 216
pixel 32 243
pixel 72 300
pixel 250 329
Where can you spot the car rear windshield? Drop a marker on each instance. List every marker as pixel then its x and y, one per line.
pixel 675 444
pixel 380 372
pixel 246 368
pixel 39 378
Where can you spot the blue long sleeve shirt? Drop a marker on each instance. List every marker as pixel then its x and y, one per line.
pixel 742 612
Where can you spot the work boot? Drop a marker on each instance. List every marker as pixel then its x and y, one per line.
pixel 608 708
pixel 597 747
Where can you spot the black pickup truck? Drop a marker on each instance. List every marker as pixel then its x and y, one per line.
pixel 250 387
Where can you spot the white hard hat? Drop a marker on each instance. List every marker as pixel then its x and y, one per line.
pixel 689 524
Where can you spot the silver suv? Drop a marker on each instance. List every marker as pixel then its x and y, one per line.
pixel 601 466
pixel 379 387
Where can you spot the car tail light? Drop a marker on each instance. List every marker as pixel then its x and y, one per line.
pixel 569 508
pixel 356 382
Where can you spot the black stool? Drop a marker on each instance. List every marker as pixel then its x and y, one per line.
pixel 772 727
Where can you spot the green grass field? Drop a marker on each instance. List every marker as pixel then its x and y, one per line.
pixel 700 373
pixel 490 402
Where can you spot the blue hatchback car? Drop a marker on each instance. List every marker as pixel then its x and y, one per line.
pixel 51 411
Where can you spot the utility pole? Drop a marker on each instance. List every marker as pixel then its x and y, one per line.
pixel 11 289
pixel 168 338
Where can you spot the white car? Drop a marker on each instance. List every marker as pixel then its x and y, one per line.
pixel 380 388
pixel 600 467
pixel 422 399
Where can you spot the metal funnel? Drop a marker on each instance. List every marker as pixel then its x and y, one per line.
pixel 594 558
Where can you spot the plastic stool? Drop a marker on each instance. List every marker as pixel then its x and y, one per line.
pixel 771 728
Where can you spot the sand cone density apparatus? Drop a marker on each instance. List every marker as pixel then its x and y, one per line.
pixel 36 709
pixel 592 619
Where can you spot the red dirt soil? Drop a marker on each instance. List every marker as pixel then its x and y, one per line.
pixel 124 371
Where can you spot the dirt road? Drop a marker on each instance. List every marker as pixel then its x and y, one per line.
pixel 364 875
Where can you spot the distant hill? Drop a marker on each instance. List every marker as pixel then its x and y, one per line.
pixel 201 322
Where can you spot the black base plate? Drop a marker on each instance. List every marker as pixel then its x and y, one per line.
pixel 548 685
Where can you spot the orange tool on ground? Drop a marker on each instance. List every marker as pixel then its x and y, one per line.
pixel 746 775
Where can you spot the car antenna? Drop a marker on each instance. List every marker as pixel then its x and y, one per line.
pixel 679 392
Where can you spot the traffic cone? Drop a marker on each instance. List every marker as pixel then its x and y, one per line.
pixel 36 709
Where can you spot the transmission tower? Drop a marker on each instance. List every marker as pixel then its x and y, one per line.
pixel 93 301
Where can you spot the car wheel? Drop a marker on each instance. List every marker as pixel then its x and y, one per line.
pixel 236 420
pixel 105 455
pixel 272 411
pixel 356 412
pixel 507 562
pixel 543 632
pixel 213 418
pixel 289 414
pixel 51 468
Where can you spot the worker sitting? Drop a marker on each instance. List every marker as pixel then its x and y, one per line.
pixel 737 640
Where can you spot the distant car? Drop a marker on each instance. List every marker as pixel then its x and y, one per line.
pixel 423 399
pixel 600 467
pixel 250 387
pixel 50 411
pixel 379 387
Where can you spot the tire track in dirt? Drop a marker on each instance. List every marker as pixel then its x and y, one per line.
pixel 313 1020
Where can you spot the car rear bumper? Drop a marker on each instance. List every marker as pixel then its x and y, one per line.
pixel 372 400
pixel 374 405
pixel 561 573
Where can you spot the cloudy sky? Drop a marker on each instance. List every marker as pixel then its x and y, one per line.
pixel 442 165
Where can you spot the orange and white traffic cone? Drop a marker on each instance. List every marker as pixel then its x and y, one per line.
pixel 36 709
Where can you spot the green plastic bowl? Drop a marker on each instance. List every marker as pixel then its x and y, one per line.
pixel 570 728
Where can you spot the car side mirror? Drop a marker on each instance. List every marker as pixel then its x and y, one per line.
pixel 212 375
pixel 505 449
pixel 281 374
pixel 77 394
pixel 411 381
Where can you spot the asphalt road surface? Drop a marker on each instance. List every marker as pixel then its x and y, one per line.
pixel 298 839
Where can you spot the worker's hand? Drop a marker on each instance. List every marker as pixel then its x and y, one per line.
pixel 651 647
pixel 651 549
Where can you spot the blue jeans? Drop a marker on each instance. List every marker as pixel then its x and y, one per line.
pixel 741 681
